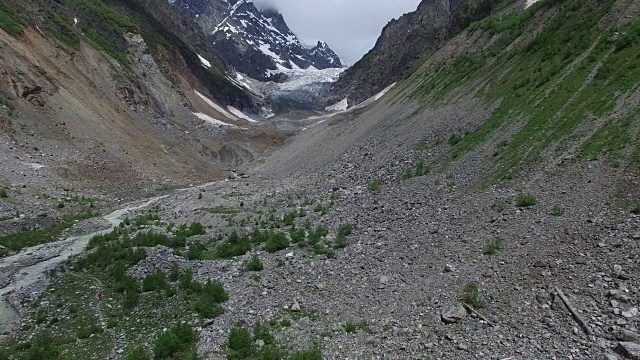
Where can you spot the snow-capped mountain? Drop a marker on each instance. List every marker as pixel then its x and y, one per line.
pixel 256 42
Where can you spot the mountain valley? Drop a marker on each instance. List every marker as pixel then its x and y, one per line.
pixel 175 187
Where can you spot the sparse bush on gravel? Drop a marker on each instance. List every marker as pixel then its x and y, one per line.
pixel 636 210
pixel 493 247
pixel 254 264
pixel 374 186
pixel 155 282
pixel 276 243
pixel 557 211
pixel 470 296
pixel 86 332
pixel 525 200
pixel 234 246
pixel 3 194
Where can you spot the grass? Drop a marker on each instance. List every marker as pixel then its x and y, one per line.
pixel 9 22
pixel 493 247
pixel 525 200
pixel 470 296
pixel 373 186
pixel 419 170
pixel 28 238
pixel 557 211
pixel 541 91
pixel 350 327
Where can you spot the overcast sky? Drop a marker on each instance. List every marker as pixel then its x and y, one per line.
pixel 350 27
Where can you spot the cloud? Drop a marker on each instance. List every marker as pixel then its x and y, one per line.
pixel 350 27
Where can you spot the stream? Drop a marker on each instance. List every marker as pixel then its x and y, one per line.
pixel 28 276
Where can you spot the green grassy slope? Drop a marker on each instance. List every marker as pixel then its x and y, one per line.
pixel 564 88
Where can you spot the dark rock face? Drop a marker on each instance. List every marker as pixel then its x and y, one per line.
pixel 402 41
pixel 254 41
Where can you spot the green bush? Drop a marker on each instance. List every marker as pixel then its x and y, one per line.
pixel 557 211
pixel 177 343
pixel 454 139
pixel 470 296
pixel 3 193
pixel 154 282
pixel 297 235
pixel 636 210
pixel 40 348
pixel 254 264
pixel 277 242
pixel 137 353
pixel 240 345
pixel 234 246
pixel 374 186
pixel 493 247
pixel 525 200
pixel 210 296
pixel 174 273
pixel 345 229
pixel 290 218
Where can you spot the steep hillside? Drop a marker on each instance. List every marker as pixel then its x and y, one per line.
pixel 402 41
pixel 94 90
pixel 256 42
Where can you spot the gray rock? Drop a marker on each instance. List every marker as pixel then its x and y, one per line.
pixel 631 313
pixel 454 314
pixel 628 335
pixel 295 307
pixel 629 350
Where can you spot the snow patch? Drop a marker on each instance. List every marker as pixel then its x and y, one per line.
pixel 204 62
pixel 341 106
pixel 240 114
pixel 215 106
pixel 530 2
pixel 212 121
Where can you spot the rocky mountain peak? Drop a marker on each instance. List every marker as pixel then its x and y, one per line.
pixel 257 42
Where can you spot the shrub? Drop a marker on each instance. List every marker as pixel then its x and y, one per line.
pixel 234 246
pixel 374 186
pixel 42 347
pixel 174 273
pixel 525 200
pixel 290 218
pixel 557 211
pixel 276 242
pixel 154 282
pixel 421 169
pixel 254 264
pixel 9 22
pixel 175 343
pixel 345 229
pixel 3 194
pixel 341 241
pixel 137 353
pixel 636 210
pixel 60 205
pixel 297 235
pixel 210 296
pixel 240 344
pixel 350 328
pixel 493 247
pixel 471 296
